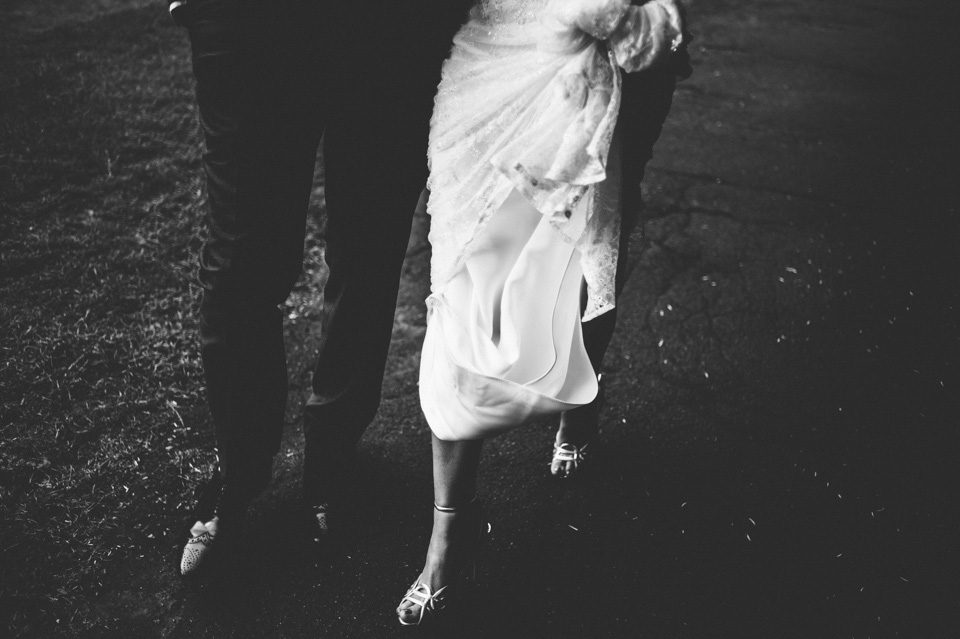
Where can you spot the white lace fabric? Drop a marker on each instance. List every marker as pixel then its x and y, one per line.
pixel 529 100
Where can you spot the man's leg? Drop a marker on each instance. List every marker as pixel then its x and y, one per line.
pixel 375 160
pixel 255 93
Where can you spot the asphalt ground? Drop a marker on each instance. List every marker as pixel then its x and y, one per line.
pixel 778 456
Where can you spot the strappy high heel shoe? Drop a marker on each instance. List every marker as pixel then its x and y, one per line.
pixel 569 458
pixel 421 595
pixel 426 601
pixel 566 452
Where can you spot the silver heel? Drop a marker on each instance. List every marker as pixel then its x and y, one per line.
pixel 420 594
pixel 567 452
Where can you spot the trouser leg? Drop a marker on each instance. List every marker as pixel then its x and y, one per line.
pixel 375 161
pixel 261 117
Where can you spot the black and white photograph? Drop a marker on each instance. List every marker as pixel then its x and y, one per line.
pixel 479 319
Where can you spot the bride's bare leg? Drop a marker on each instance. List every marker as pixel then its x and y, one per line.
pixel 455 471
pixel 454 486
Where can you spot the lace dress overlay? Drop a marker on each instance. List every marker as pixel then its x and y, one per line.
pixel 526 110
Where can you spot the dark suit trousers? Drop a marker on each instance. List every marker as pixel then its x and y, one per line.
pixel 272 78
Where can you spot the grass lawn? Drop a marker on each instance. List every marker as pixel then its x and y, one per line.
pixel 104 429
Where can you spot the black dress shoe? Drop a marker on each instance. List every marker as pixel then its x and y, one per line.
pixel 331 519
pixel 319 526
pixel 331 482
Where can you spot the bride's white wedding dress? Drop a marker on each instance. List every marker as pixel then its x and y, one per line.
pixel 524 205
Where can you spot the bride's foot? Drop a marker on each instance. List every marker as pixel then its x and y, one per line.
pixel 578 428
pixel 453 545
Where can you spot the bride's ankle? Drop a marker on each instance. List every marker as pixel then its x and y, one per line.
pixel 443 561
pixel 577 430
pixel 452 532
pixel 453 539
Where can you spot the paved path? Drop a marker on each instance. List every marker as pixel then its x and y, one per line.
pixel 779 443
